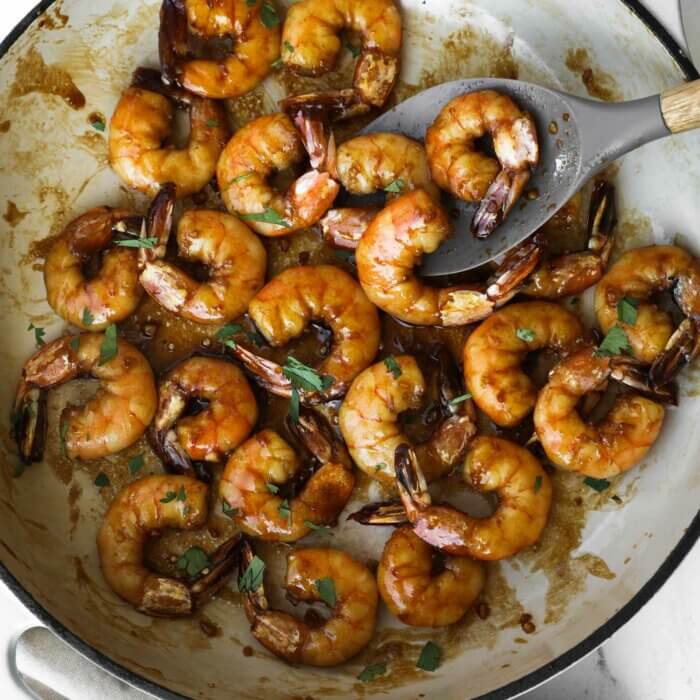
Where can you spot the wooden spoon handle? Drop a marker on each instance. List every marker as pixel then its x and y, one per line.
pixel 681 107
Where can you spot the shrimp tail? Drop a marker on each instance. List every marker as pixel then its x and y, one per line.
pixel 29 423
pixel 317 137
pixel 681 348
pixel 381 513
pixel 317 436
pixel 376 74
pixel 333 105
pixel 158 223
pixel 267 374
pixel 343 228
pixel 172 39
pixel 602 221
pixel 498 201
pixel 224 561
pixel 634 374
pixel 413 488
pixel 254 600
pixel 516 267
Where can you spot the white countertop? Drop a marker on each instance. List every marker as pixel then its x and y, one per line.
pixel 656 656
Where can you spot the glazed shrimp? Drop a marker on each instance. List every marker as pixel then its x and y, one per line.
pixel 417 595
pixel 233 255
pixel 207 436
pixel 493 465
pixel 354 615
pixel 110 295
pixel 267 144
pixel 258 475
pixel 494 352
pixel 295 298
pixel 114 418
pixel 637 276
pixel 405 230
pixel 612 445
pixel 458 167
pixel 256 46
pixel 139 510
pixel 369 419
pixel 141 124
pixel 369 164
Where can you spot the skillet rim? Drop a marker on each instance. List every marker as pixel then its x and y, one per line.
pixel 508 691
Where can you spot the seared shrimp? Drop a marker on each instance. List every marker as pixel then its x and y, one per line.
pixel 493 465
pixel 263 146
pixel 145 506
pixel 255 45
pixel 608 447
pixel 114 418
pixel 369 418
pixel 494 352
pixel 397 238
pixel 368 164
pixel 299 295
pixel 457 166
pixel 207 436
pixel 257 479
pixel 354 608
pixel 415 593
pixel 311 44
pixel 637 276
pixel 141 124
pixel 234 256
pixel 110 295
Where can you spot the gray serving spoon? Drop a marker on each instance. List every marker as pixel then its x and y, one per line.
pixel 577 137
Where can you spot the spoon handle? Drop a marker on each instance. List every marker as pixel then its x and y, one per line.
pixel 681 107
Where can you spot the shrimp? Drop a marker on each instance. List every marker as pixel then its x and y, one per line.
pixel 369 419
pixel 299 295
pixel 637 276
pixel 259 482
pixel 114 418
pixel 494 352
pixel 139 510
pixel 228 416
pixel 353 606
pixel 141 124
pixel 390 249
pixel 267 144
pixel 472 176
pixel 234 256
pixel 368 164
pixel 256 45
pixel 611 446
pixel 110 295
pixel 415 593
pixel 493 465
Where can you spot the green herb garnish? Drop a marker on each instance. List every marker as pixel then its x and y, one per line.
pixel 102 480
pixel 393 366
pixel 228 510
pixel 181 494
pixel 212 123
pixel 614 343
pixel 598 485
pixel 268 15
pixel 225 333
pixel 136 464
pixel 627 310
pixel 75 343
pixel 369 673
pixel 108 349
pixel 269 216
pixel 354 50
pixel 395 187
pixel 147 243
pixel 252 577
pixel 285 510
pixel 273 488
pixel 460 399
pixel 430 656
pixel 98 125
pixel 194 562
pixel 169 497
pixel 326 590
pixel 304 377
pixel 39 334
pixel 525 334
pixel 323 529
pixel 88 319
pixel 538 484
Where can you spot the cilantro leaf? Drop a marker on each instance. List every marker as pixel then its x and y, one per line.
pixel 598 485
pixel 538 484
pixel 277 63
pixel 39 334
pixel 102 480
pixel 395 187
pixel 239 178
pixel 525 334
pixel 627 310
pixel 614 343
pixel 294 405
pixel 169 497
pixel 326 590
pixel 323 529
pixel 227 509
pixel 304 377
pixel 288 47
pixel 194 562
pixel 181 494
pixel 273 488
pixel 147 243
pixel 252 577
pixel 136 464
pixel 108 349
pixel 460 399
pixel 393 366
pixel 75 343
pixel 98 125
pixel 354 50
pixel 212 123
pixel 268 15
pixel 285 510
pixel 430 656
pixel 369 673
pixel 269 216
pixel 88 319
pixel 225 333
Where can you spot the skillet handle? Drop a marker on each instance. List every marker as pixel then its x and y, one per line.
pixel 51 670
pixel 680 107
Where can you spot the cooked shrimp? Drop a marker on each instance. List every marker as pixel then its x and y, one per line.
pixel 110 295
pixel 257 477
pixel 267 144
pixel 415 593
pixel 369 164
pixel 207 436
pixel 141 124
pixel 492 465
pixel 637 276
pixel 235 259
pixel 494 352
pixel 312 43
pixel 369 419
pixel 299 295
pixel 114 418
pixel 255 46
pixel 390 249
pixel 457 166
pixel 344 634
pixel 145 506
pixel 612 445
